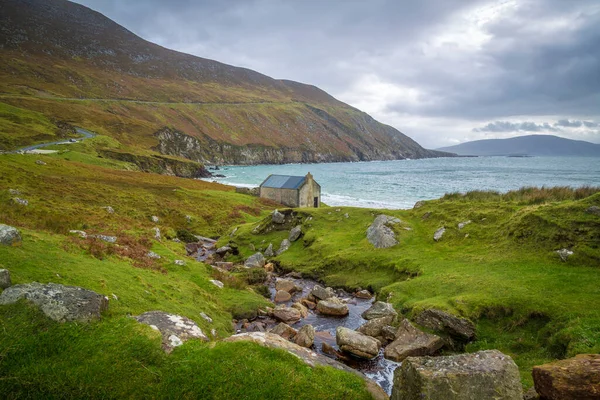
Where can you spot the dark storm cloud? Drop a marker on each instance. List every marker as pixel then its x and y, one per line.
pixel 459 62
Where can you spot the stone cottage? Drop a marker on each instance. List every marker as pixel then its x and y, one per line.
pixel 292 191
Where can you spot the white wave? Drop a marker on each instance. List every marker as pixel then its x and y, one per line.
pixel 342 200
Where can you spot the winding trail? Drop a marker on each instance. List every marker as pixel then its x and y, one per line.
pixel 85 134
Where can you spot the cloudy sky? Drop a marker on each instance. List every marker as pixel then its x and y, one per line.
pixel 441 71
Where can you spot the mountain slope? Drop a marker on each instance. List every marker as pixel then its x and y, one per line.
pixel 532 145
pixel 75 65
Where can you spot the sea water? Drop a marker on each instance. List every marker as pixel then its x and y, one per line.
pixel 399 184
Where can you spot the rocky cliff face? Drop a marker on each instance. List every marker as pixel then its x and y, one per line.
pixel 147 96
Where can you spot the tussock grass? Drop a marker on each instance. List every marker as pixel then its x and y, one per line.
pixel 526 195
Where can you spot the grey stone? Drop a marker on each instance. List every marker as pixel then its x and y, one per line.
pixel 375 326
pixel 157 233
pixel 437 236
pixel 5 280
pixel 40 162
pixel 206 317
pixel 286 314
pixel 109 209
pixel 284 330
pixel 564 254
pixel 105 238
pixel 81 234
pixel 175 329
pixel 379 233
pixel 180 262
pixel 20 201
pixel 277 217
pixel 305 336
pixel 418 204
pixel 287 286
pixel 485 375
pixel 295 233
pixel 60 303
pixel 14 192
pixel 217 283
pixel 440 321
pixel 255 261
pixel 9 235
pixel 188 218
pixel 284 246
pixel 463 224
pixel 221 251
pixel 332 306
pixel 302 308
pixel 531 394
pixel 356 343
pixel 321 293
pixel 269 251
pixel 154 218
pixel 152 255
pixel 410 341
pixel 593 210
pixel 379 309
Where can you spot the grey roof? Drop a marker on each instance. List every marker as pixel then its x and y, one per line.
pixel 284 182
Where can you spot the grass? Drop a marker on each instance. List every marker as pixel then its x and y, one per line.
pixel 501 270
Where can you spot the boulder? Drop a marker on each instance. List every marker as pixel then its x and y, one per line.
pixel 333 306
pixel 485 375
pixel 282 296
pixel 410 342
pixel 217 283
pixel 284 246
pixel 154 218
pixel 379 309
pixel 40 162
pixel 437 236
pixel 305 336
pixel 308 304
pixel 5 281
pixel 269 251
pixel 60 303
pixel 287 286
pixel 81 234
pixel 564 254
pixel 277 217
pixel 9 235
pixel 375 326
pixel 573 378
pixel 303 310
pixel 595 210
pixel 175 329
pixel 460 329
pixel 321 293
pixel 379 233
pixel 255 261
pixel 285 331
pixel 14 192
pixel 286 314
pixel 295 233
pixel 152 255
pixel 223 250
pixel 105 238
pixel 307 356
pixel 363 294
pixel 463 224
pixel 356 343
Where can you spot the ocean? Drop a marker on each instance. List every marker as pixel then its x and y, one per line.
pixel 399 184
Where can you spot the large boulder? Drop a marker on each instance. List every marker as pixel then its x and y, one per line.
pixel 284 246
pixel 307 356
pixel 356 343
pixel 285 331
pixel 5 280
pixel 60 303
pixel 379 309
pixel 374 327
pixel 287 286
pixel 300 307
pixel 9 235
pixel 411 342
pixel 281 296
pixel 286 314
pixel 333 306
pixel 305 336
pixel 485 375
pixel 277 217
pixel 437 236
pixel 255 261
pixel 295 233
pixel 379 234
pixel 321 293
pixel 175 329
pixel 459 329
pixel 269 252
pixel 573 378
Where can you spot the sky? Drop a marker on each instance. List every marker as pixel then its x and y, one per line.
pixel 441 71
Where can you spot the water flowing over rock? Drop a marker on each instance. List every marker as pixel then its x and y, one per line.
pixel 307 356
pixel 286 314
pixel 332 306
pixel 9 235
pixel 58 302
pixel 175 329
pixel 255 261
pixel 305 336
pixel 573 378
pixel 356 343
pixel 380 234
pixel 284 246
pixel 379 309
pixel 5 280
pixel 437 236
pixel 277 217
pixel 295 233
pixel 485 375
pixel 412 342
pixel 460 329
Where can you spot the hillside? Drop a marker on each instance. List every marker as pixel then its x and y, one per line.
pixel 75 66
pixel 531 145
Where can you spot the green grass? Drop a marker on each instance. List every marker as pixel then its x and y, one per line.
pixel 21 127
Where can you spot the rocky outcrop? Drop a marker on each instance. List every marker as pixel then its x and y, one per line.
pixel 379 309
pixel 255 261
pixel 411 342
pixel 332 306
pixel 573 378
pixel 309 357
pixel 58 302
pixel 459 329
pixel 305 336
pixel 379 234
pixel 175 329
pixel 485 375
pixel 9 235
pixel 295 233
pixel 356 343
pixel 5 280
pixel 286 314
pixel 160 164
